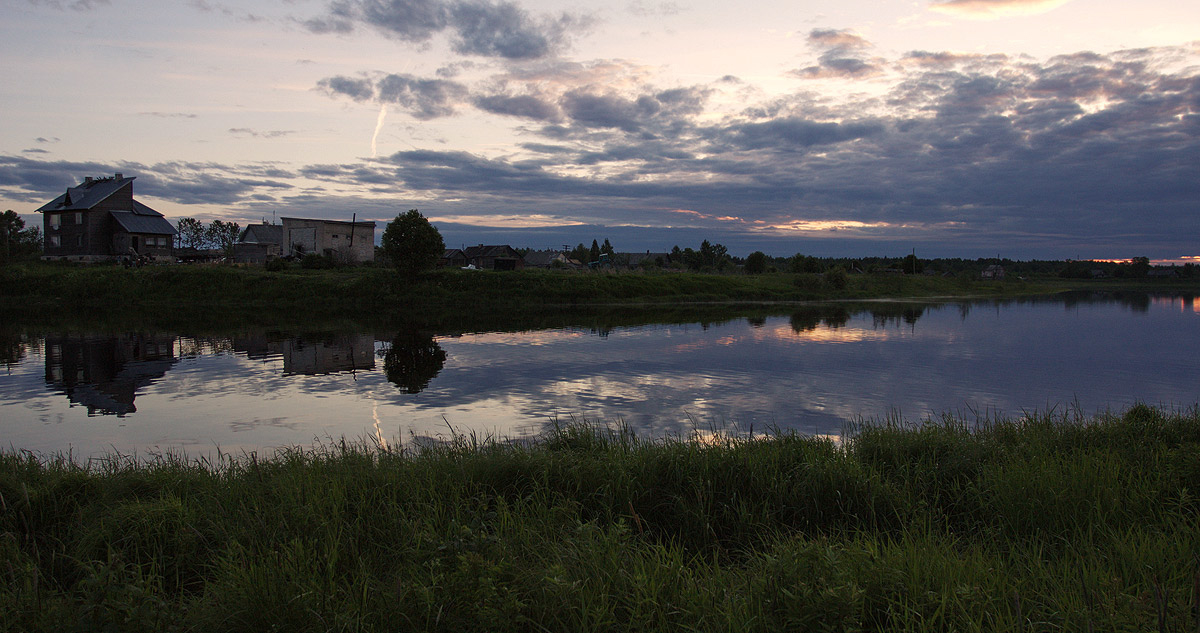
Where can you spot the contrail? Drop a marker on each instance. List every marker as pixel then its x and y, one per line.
pixel 378 126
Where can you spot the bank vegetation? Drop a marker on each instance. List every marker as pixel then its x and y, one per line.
pixel 1054 522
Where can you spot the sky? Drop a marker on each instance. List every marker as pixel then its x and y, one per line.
pixel 1047 129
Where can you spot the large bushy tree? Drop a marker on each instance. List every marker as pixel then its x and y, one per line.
pixel 412 244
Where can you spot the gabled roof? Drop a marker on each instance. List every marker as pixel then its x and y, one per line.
pixel 262 234
pixel 87 194
pixel 452 252
pixel 495 250
pixel 153 223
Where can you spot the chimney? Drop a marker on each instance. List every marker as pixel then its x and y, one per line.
pixel 120 175
pixel 87 180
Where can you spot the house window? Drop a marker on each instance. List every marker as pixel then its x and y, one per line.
pixel 55 220
pixel 55 241
pixel 79 240
pixel 79 217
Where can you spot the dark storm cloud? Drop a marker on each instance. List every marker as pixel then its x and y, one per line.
pixel 475 27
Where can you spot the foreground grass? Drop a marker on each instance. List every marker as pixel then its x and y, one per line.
pixel 1043 523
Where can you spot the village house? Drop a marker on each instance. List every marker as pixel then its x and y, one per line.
pixel 452 257
pixel 258 243
pixel 345 242
pixel 994 271
pixel 495 257
pixel 99 220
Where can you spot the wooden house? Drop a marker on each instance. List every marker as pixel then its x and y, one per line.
pixel 453 257
pixel 99 220
pixel 345 242
pixel 495 257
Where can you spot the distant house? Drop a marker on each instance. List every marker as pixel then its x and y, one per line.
pixel 496 257
pixel 99 220
pixel 995 271
pixel 258 243
pixel 453 257
pixel 345 242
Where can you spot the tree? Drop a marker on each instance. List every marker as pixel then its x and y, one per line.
pixel 579 253
pixel 16 240
pixel 756 263
pixel 1139 266
pixel 412 244
pixel 607 248
pixel 594 253
pixel 191 233
pixel 223 235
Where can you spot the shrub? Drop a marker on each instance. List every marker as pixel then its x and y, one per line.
pixel 315 261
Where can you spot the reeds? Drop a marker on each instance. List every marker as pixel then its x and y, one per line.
pixel 1047 522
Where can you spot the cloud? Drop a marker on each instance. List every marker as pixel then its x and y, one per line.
pixel 523 106
pixel 958 154
pixel 994 9
pixel 841 56
pixel 475 27
pixel 168 115
pixel 424 98
pixel 245 131
pixel 76 5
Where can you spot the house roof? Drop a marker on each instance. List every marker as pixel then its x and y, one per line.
pixel 87 194
pixel 133 222
pixel 452 252
pixel 495 250
pixel 262 234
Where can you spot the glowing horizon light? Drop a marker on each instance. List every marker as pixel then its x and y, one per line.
pixel 506 221
pixel 812 226
pixel 995 9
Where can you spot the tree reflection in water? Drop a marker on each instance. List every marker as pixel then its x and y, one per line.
pixel 412 360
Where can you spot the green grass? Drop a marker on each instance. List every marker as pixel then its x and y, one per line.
pixel 1044 523
pixel 38 286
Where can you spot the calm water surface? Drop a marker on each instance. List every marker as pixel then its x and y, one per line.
pixel 813 371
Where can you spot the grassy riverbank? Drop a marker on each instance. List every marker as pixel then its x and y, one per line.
pixel 1044 523
pixel 37 287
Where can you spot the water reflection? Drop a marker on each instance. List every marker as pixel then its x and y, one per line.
pixel 810 368
pixel 104 374
pixel 311 355
pixel 412 359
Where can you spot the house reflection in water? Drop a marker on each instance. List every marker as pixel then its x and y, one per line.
pixel 105 373
pixel 312 356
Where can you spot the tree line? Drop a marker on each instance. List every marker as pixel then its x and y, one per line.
pixel 218 234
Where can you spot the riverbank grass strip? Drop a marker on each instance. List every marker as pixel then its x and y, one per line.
pixel 1040 523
